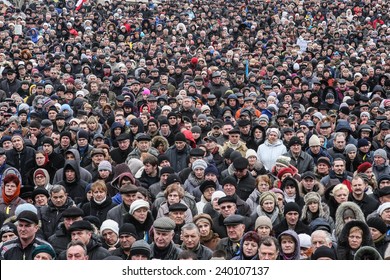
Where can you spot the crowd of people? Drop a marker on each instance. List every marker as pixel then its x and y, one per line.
pixel 237 130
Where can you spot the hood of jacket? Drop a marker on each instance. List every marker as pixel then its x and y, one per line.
pixel 72 164
pixel 367 239
pixel 339 223
pixel 297 252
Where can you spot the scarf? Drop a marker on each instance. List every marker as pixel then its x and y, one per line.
pixel 100 202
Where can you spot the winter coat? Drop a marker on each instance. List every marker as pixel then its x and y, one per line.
pixel 339 220
pixel 232 249
pixel 12 249
pixel 303 163
pixel 192 184
pixel 51 216
pixel 60 239
pixel 142 229
pixel 299 228
pixel 297 251
pixel 323 213
pixel 94 249
pixel 75 189
pixel 367 204
pixel 100 211
pixel 241 255
pixel 344 251
pixel 268 153
pixel 170 253
pixel 23 161
pixel 178 159
pixel 117 213
pixel 163 211
pixel 84 174
pixel 201 251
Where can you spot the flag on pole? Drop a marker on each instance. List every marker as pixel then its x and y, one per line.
pixel 79 4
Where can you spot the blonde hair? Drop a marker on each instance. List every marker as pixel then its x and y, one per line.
pixel 339 187
pixel 99 185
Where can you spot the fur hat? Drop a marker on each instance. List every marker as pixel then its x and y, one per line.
pixel 324 252
pixel 312 197
pixel 109 224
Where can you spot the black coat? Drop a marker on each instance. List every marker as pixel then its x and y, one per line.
pixel 100 211
pixel 22 161
pixel 299 228
pixel 245 186
pixel 60 239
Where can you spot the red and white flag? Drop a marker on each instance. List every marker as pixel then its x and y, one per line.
pixel 79 4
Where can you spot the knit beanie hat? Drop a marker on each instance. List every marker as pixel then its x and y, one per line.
pixel 140 247
pixel 196 129
pixel 217 195
pixel 110 224
pixel 44 248
pixel 129 229
pixel 264 117
pixel 263 221
pixel 382 208
pixel 350 148
pixel 312 197
pixel 211 169
pixel 292 206
pixel 229 180
pixel 314 141
pixel 180 137
pixel 377 223
pixel 140 203
pixel 283 171
pixel 362 143
pixel 82 134
pixel 250 153
pixel 380 153
pixel 105 165
pixel 387 138
pixel 199 163
pixel 363 167
pixel 283 160
pixel 268 195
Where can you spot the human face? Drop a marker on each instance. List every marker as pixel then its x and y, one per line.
pixel 296 149
pixel 162 239
pixel 199 173
pixel 178 217
pixel 70 175
pixel 10 188
pixel 68 221
pixel 110 237
pixel 129 198
pixel 313 206
pixel 65 141
pixel 190 238
pixel 268 252
pixel 287 244
pixel 99 195
pixel 318 239
pixel 204 228
pixel 379 160
pixel 227 209
pixel 308 184
pixel 292 218
pixel 234 138
pixel 268 206
pixel 322 168
pixel 59 198
pixel 240 173
pixel 40 159
pixel 173 198
pixel 235 232
pixel 290 191
pixel 126 241
pixel 262 186
pixel 141 214
pixel 26 230
pixel 41 200
pixel 355 239
pixel 358 187
pixel 8 236
pixel 386 216
pixel 82 235
pixel 97 158
pixel 17 143
pixel 272 137
pixel 43 257
pixel 339 167
pixel 339 143
pixel 249 248
pixel 76 253
pixel 229 189
pixel 376 234
pixel 341 196
pixel 208 193
pixel 263 231
pixel 180 145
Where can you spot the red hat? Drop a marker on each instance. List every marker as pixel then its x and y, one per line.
pixel 194 60
pixel 284 171
pixel 39 172
pixel 363 167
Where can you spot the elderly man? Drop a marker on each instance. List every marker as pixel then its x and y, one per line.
pixel 142 145
pixel 300 159
pixel 235 227
pixel 163 247
pixel 190 237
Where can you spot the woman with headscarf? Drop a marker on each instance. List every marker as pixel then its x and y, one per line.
pixel 10 191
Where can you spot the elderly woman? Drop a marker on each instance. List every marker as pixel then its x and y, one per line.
pixel 10 190
pixel 335 196
pixel 173 194
pixel 141 217
pixel 263 184
pixel 207 237
pixel 249 245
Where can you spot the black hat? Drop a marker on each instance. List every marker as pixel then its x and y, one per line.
pixel 240 163
pixel 73 212
pixel 143 137
pixel 38 191
pixel 8 227
pixel 227 198
pixel 234 220
pixel 308 174
pixel 164 224
pixel 48 140
pixel 210 138
pixel 172 178
pixel 81 225
pixel 294 140
pixel 46 123
pixel 324 251
pixel 243 122
pixel 234 131
pixel 128 229
pixel 167 169
pixel 177 207
pixel 128 188
pixel 122 137
pixel 161 158
pixel 229 180
pixel 180 137
pixel 28 216
pixel 140 247
pixel 324 160
pixel 120 98
pixel 292 206
pixel 82 134
pixel 383 177
pixel 377 223
pixel 197 152
pixel 207 184
pixel 60 116
pixel 385 190
pixel 65 134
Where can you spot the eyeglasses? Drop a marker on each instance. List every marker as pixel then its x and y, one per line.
pixel 226 207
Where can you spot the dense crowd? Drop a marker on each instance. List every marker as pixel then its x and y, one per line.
pixel 243 130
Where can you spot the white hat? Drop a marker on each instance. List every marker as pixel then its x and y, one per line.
pixel 217 194
pixel 383 207
pixel 166 107
pixel 250 153
pixel 304 240
pixel 140 203
pixel 80 92
pixel 109 224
